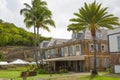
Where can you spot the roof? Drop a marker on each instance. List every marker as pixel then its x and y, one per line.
pixel 69 58
pixel 56 41
pixel 101 34
pixel 85 35
pixel 44 44
pixel 116 30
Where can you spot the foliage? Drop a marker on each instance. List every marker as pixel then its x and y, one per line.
pixel 93 17
pixel 109 70
pixel 15 36
pixel 42 71
pixel 63 71
pixel 18 69
pixel 39 16
pixel 1 57
pixel 31 67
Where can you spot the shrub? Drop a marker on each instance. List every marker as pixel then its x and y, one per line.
pixel 1 56
pixel 18 69
pixel 108 70
pixel 63 71
pixel 41 71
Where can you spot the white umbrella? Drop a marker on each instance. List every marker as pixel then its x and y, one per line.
pixel 38 63
pixel 33 63
pixel 19 61
pixel 4 63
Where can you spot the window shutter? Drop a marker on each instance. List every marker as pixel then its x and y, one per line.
pixel 80 49
pixel 62 49
pixel 46 54
pixel 73 50
pixel 97 47
pixel 104 62
pixel 118 41
pixel 67 51
pixel 97 62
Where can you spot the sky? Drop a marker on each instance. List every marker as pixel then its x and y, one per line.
pixel 62 11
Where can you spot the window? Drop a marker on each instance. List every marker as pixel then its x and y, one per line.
pixel 91 47
pixel 62 50
pixel 104 62
pixel 73 50
pixel 97 62
pixel 78 49
pixel 66 51
pixel 103 49
pixel 46 54
pixel 56 51
pixel 118 41
pixel 97 35
pixel 49 53
pixel 52 52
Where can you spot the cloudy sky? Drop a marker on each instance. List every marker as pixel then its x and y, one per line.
pixel 62 11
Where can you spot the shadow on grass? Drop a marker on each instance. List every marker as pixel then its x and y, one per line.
pixel 92 77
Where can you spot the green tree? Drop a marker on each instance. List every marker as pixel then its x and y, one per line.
pixel 39 16
pixel 28 12
pixel 43 19
pixel 93 17
pixel 3 39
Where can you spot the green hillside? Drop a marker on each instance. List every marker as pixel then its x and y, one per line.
pixel 12 35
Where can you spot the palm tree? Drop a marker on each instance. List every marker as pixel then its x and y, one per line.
pixel 28 13
pixel 39 16
pixel 93 17
pixel 43 19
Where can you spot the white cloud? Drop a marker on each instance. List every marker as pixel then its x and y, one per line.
pixel 62 11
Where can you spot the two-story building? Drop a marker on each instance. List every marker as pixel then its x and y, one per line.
pixel 114 47
pixel 76 54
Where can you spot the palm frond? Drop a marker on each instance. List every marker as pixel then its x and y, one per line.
pixel 49 22
pixel 93 16
pixel 29 24
pixel 45 27
pixel 27 6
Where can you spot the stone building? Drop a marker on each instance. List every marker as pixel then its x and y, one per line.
pixel 76 54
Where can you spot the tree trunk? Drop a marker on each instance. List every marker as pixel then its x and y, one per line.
pixel 94 71
pixel 40 51
pixel 35 49
pixel 93 33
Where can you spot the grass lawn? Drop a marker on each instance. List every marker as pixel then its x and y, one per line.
pixel 16 76
pixel 98 78
pixel 85 78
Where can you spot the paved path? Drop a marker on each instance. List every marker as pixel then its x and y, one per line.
pixel 112 75
pixel 4 79
pixel 64 75
pixel 78 74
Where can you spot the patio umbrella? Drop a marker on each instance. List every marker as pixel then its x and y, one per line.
pixel 4 63
pixel 19 61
